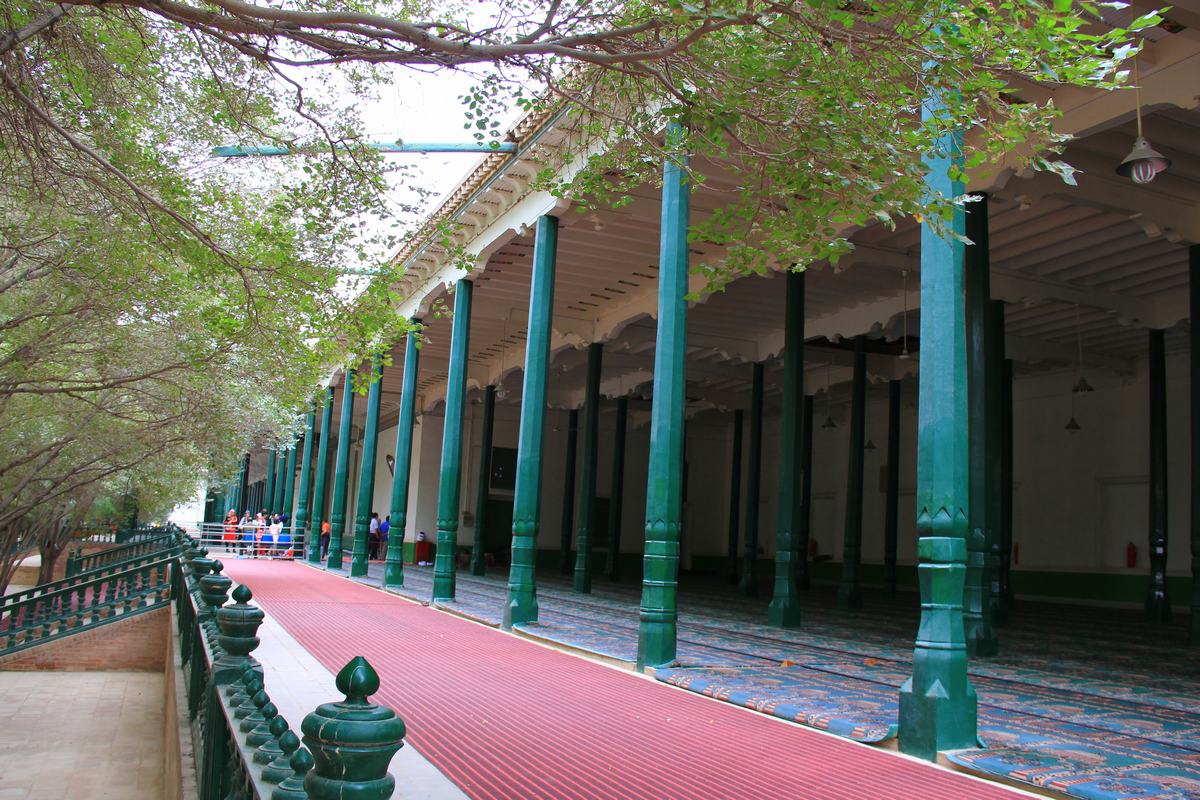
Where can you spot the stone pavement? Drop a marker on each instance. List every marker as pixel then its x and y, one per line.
pixel 81 735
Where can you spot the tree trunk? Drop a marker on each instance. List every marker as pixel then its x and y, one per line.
pixel 50 554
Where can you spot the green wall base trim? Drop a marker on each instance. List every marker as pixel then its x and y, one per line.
pixel 1102 588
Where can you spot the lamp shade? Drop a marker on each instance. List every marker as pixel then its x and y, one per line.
pixel 1143 162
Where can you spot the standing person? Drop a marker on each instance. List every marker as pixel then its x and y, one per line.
pixel 324 539
pixel 229 530
pixel 283 542
pixel 246 540
pixel 267 543
pixel 260 525
pixel 385 527
pixel 373 538
pixel 246 523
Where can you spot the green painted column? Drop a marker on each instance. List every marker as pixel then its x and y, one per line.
pixel 243 486
pixel 318 501
pixel 735 498
pixel 938 707
pixel 997 555
pixel 341 471
pixel 566 563
pixel 784 610
pixel 1006 491
pixel 1158 604
pixel 849 591
pixel 289 482
pixel 451 476
pixel 1194 412
pixel 234 488
pixel 748 584
pixel 521 603
pixel 891 511
pixel 587 482
pixel 478 561
pixel 656 634
pixel 393 571
pixel 270 490
pixel 977 608
pixel 366 473
pixel 616 501
pixel 277 499
pixel 804 528
pixel 300 523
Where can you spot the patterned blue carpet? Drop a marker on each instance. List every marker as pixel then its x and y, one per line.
pixel 1092 705
pixel 854 709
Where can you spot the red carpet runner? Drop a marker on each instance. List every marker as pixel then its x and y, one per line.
pixel 506 719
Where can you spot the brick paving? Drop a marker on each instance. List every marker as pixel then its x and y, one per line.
pixel 81 736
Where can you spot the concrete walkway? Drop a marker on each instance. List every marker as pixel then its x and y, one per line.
pixel 81 736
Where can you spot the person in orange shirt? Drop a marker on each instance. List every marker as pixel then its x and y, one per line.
pixel 324 539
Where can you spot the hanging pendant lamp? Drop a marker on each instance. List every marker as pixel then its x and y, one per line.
pixel 904 354
pixel 1143 162
pixel 828 424
pixel 869 446
pixel 1081 384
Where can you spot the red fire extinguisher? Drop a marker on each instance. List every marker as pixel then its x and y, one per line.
pixel 1131 555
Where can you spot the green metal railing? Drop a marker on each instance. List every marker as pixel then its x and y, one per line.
pixel 11 600
pixel 118 534
pixel 244 749
pixel 151 541
pixel 85 604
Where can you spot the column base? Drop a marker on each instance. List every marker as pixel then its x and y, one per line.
pixel 583 583
pixel 1158 607
pixel 335 558
pixel 443 563
pixel 934 717
pixel 393 574
pixel 981 643
pixel 1000 613
pixel 784 613
pixel 748 585
pixel 521 608
pixel 656 643
pixel 478 567
pixel 849 597
pixel 443 586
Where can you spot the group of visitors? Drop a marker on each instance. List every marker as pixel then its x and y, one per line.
pixel 377 537
pixel 268 536
pixel 263 535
